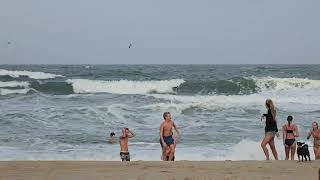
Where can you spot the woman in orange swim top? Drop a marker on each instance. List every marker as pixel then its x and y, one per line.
pixel 290 132
pixel 315 133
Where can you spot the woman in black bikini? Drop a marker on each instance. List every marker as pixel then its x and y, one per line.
pixel 271 130
pixel 290 132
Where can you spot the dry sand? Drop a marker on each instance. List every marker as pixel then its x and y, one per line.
pixel 184 170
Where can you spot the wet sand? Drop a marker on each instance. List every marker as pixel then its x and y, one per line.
pixel 184 170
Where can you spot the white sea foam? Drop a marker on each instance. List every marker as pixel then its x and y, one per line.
pixel 251 150
pixel 14 84
pixel 244 150
pixel 236 100
pixel 124 86
pixel 4 91
pixel 172 106
pixel 284 90
pixel 30 74
pixel 234 103
pixel 286 84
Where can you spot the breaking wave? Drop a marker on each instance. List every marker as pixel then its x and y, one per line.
pixel 4 91
pixel 30 74
pixel 124 86
pixel 235 87
pixel 14 84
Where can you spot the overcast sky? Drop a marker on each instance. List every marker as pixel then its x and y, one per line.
pixel 161 31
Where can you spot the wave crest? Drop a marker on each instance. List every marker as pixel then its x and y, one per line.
pixel 4 91
pixel 280 84
pixel 124 86
pixel 14 84
pixel 30 74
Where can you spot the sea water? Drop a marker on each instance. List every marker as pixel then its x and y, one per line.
pixel 66 112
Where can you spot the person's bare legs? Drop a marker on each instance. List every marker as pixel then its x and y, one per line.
pixel 164 153
pixel 293 150
pixel 315 152
pixel 264 143
pixel 287 151
pixel 172 150
pixel 273 148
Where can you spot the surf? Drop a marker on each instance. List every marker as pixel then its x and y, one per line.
pixel 124 86
pixel 30 74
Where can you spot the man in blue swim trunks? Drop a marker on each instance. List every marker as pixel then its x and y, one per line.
pixel 166 139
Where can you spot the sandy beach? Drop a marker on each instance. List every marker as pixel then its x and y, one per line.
pixel 185 170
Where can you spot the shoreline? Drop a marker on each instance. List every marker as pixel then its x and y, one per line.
pixel 186 170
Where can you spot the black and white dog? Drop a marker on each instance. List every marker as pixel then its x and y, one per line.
pixel 303 151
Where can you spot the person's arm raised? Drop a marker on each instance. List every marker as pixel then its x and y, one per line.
pixel 123 134
pixel 132 134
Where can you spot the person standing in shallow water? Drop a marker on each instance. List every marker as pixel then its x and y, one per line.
pixel 290 132
pixel 315 133
pixel 166 139
pixel 111 139
pixel 271 130
pixel 124 138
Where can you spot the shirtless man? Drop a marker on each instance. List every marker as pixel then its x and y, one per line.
pixel 166 139
pixel 124 152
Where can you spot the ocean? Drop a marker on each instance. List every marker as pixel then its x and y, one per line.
pixel 66 112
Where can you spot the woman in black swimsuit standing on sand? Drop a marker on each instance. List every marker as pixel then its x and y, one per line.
pixel 290 132
pixel 271 130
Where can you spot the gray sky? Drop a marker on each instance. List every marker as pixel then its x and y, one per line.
pixel 162 31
